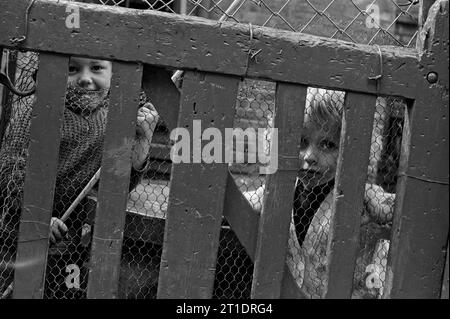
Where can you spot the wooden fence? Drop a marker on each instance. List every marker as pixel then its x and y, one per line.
pixel 215 56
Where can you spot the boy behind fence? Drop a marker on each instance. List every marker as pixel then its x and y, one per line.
pixel 83 130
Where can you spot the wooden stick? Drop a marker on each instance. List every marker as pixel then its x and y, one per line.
pixel 82 194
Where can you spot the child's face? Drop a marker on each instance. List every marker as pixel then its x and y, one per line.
pixel 319 152
pixel 90 74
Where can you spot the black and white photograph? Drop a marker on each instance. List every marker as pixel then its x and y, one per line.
pixel 224 154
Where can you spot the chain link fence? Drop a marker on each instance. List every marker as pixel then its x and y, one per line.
pixel 373 22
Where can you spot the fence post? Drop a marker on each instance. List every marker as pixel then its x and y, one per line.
pixel 40 176
pixel 420 228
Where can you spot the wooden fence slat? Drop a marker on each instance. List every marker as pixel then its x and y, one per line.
pixel 40 175
pixel 197 193
pixel 351 175
pixel 276 213
pixel 114 181
pixel 421 218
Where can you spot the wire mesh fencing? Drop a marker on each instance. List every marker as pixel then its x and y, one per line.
pixel 383 22
pixel 373 22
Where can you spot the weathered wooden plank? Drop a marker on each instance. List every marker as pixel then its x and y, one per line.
pixel 276 212
pixel 40 178
pixel 114 181
pixel 421 218
pixel 197 192
pixel 224 47
pixel 351 176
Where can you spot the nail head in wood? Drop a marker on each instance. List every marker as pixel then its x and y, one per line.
pixel 432 77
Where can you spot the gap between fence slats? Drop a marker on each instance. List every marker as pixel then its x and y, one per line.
pixel 40 175
pixel 114 181
pixel 351 176
pixel 276 213
pixel 163 93
pixel 197 193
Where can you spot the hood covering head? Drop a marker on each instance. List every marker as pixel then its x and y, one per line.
pixel 83 101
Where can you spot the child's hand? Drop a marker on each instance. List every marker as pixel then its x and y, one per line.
pixel 146 123
pixel 255 198
pixel 57 230
pixel 380 204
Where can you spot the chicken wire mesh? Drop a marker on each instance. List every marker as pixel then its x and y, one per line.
pixel 369 22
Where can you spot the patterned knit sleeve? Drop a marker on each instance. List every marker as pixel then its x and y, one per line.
pixel 13 156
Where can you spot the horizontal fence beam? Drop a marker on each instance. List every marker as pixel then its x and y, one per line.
pixel 182 42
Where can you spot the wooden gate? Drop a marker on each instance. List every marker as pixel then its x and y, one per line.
pixel 214 57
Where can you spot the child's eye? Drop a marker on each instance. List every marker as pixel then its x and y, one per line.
pixel 73 69
pixel 97 68
pixel 328 145
pixel 304 143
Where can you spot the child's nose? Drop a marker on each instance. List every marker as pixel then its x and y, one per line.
pixel 85 81
pixel 310 155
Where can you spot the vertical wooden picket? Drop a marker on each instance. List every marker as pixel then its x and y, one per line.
pixel 420 228
pixel 40 175
pixel 107 238
pixel 279 193
pixel 351 175
pixel 197 191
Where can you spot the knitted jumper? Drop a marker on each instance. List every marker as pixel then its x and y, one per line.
pixel 80 154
